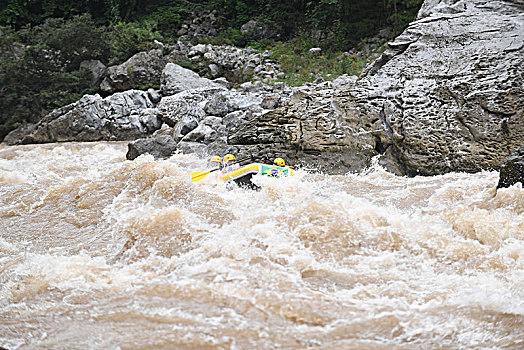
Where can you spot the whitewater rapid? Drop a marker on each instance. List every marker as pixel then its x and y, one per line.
pixel 97 252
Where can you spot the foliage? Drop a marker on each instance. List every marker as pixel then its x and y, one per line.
pixel 169 18
pixel 19 13
pixel 229 36
pixel 127 39
pixel 46 75
pixel 401 12
pixel 336 24
pixel 343 22
pixel 300 66
pixel 31 89
pixel 68 42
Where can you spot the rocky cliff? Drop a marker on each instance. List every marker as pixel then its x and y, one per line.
pixel 447 95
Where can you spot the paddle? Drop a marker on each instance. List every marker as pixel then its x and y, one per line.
pixel 199 175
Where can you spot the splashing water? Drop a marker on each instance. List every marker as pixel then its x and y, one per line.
pixel 97 252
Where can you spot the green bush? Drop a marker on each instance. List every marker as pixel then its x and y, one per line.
pixel 300 66
pixel 229 36
pixel 401 13
pixel 47 74
pixel 127 39
pixel 170 18
pixel 68 42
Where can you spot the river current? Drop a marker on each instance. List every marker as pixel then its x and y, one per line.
pixel 97 252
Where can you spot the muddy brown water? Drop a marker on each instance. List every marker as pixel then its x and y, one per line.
pixel 97 252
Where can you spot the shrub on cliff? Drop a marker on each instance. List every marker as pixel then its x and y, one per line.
pixel 45 74
pixel 127 39
pixel 67 43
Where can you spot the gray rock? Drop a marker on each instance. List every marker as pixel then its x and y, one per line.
pixel 258 30
pixel 164 130
pixel 193 147
pixel 123 116
pixel 184 126
pixel 186 103
pixel 199 49
pixel 248 26
pixel 148 117
pixel 315 51
pixel 234 119
pixel 162 146
pixel 270 102
pixel 213 122
pixel 344 81
pixel 446 91
pixel 219 146
pixel 202 133
pixel 17 136
pixel 98 71
pixel 512 170
pixel 214 69
pixel 176 79
pixel 247 101
pixel 222 81
pixel 198 26
pixel 144 68
pixel 219 106
pixel 154 95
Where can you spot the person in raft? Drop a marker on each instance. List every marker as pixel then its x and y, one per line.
pixel 230 163
pixel 279 162
pixel 214 162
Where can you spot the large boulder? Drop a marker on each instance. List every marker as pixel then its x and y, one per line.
pixel 512 170
pixel 446 96
pixel 143 69
pixel 176 79
pixel 97 69
pixel 161 146
pixel 202 133
pixel 122 116
pixel 259 30
pixel 189 103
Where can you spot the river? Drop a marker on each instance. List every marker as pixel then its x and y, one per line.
pixel 97 252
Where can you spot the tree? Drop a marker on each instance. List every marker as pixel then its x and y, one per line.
pixel 46 75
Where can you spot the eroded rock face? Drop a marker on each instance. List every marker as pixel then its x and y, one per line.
pixel 512 170
pixel 314 128
pixel 446 96
pixel 121 116
pixel 449 91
